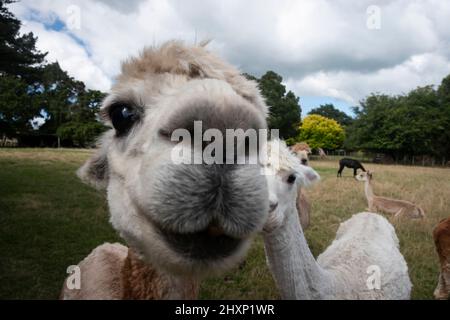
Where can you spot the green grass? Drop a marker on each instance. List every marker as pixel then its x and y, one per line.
pixel 50 220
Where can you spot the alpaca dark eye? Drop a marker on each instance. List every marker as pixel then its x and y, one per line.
pixel 122 117
pixel 291 178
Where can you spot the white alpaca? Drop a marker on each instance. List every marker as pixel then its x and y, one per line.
pixel 184 221
pixel 363 262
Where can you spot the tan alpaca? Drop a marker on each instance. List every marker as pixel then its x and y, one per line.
pixel 303 208
pixel 441 236
pixel 322 153
pixel 301 150
pixel 399 208
pixel 301 146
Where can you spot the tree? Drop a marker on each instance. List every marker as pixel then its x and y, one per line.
pixel 330 111
pixel 17 106
pixel 18 53
pixel 284 108
pixel 405 125
pixel 19 72
pixel 29 89
pixel 71 110
pixel 80 134
pixel 444 101
pixel 321 132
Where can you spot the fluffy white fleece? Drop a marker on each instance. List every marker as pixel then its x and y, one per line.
pixel 366 248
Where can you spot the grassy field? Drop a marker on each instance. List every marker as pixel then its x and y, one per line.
pixel 49 220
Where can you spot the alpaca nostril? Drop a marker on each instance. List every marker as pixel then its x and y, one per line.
pixel 227 128
pixel 304 161
pixel 273 205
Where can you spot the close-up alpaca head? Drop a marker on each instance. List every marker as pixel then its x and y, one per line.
pixel 184 218
pixel 283 180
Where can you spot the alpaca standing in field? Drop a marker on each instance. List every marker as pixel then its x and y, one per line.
pixel 399 208
pixel 322 153
pixel 349 163
pixel 441 236
pixel 181 221
pixel 363 262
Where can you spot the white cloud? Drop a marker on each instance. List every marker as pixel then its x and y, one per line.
pixel 352 86
pixel 70 56
pixel 321 47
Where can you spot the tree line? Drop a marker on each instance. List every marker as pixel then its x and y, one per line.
pixel 400 126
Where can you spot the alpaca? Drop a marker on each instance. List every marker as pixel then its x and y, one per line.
pixel 322 153
pixel 363 262
pixel 303 156
pixel 350 163
pixel 441 235
pixel 184 221
pixel 399 208
pixel 302 150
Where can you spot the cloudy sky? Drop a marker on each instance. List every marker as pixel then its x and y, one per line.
pixel 335 51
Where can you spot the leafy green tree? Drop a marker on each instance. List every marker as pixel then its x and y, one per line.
pixel 18 53
pixel 284 107
pixel 330 111
pixel 321 132
pixel 29 89
pixel 80 134
pixel 443 141
pixel 19 72
pixel 17 106
pixel 399 125
pixel 71 109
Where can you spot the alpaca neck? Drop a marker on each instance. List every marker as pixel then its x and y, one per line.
pixel 296 272
pixel 141 281
pixel 368 190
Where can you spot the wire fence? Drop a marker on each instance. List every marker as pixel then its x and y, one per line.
pixel 381 158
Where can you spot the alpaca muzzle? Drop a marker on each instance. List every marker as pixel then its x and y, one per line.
pixel 208 208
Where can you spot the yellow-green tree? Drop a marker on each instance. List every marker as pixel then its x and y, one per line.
pixel 321 132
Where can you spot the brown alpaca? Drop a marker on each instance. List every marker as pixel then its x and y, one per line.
pixel 303 208
pixel 113 271
pixel 398 208
pixel 441 235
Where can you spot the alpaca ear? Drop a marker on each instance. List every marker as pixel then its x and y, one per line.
pixel 308 176
pixel 95 170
